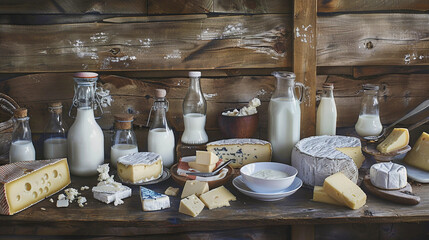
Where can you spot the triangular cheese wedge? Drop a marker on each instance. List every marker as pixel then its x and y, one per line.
pixel 396 140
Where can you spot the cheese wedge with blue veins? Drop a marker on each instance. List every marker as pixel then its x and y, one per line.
pixel 153 201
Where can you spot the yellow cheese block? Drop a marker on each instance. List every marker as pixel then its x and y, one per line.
pixel 194 187
pixel 343 190
pixel 202 168
pixel 23 184
pixel 139 167
pixel 191 206
pixel 419 155
pixel 218 197
pixel 319 195
pixel 396 140
pixel 355 153
pixel 206 158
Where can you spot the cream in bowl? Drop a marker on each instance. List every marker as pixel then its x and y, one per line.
pixel 268 177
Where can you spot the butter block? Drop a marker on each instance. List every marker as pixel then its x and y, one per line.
pixel 419 155
pixel 171 191
pixel 206 158
pixel 319 195
pixel 343 190
pixel 218 197
pixel 153 201
pixel 23 184
pixel 194 187
pixel 397 139
pixel 202 168
pixel 191 206
pixel 140 167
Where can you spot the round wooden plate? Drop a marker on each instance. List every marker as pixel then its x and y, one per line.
pixel 212 184
pixel 384 157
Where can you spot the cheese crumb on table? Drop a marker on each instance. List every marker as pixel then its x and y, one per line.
pixel 171 191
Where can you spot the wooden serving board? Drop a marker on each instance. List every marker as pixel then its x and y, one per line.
pixel 402 196
pixel 384 157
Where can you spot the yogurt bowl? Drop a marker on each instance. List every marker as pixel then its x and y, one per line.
pixel 268 177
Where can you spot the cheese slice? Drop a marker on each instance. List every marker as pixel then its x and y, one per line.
pixel 419 155
pixel 242 151
pixel 343 190
pixel 388 175
pixel 191 206
pixel 397 139
pixel 23 184
pixel 194 187
pixel 319 195
pixel 218 197
pixel 140 167
pixel 206 158
pixel 202 168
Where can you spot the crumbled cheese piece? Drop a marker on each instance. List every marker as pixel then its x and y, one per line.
pixel 118 201
pixel 103 171
pixel 51 200
pixel 83 188
pixel 71 193
pixel 43 209
pixel 81 201
pixel 250 109
pixel 62 203
pixel 61 197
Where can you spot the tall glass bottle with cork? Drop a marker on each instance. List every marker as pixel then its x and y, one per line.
pixel 21 148
pixel 55 137
pixel 124 140
pixel 369 123
pixel 326 123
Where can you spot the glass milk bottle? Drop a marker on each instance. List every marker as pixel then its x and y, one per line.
pixel 124 140
pixel 85 138
pixel 284 116
pixel 55 138
pixel 161 136
pixel 326 123
pixel 369 123
pixel 22 148
pixel 194 112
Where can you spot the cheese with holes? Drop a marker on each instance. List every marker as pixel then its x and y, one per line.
pixel 218 197
pixel 191 206
pixel 388 175
pixel 319 195
pixel 206 158
pixel 396 140
pixel 23 184
pixel 194 187
pixel 153 201
pixel 202 168
pixel 140 167
pixel 343 190
pixel 242 151
pixel 318 157
pixel 419 155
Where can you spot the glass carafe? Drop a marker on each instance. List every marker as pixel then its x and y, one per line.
pixel 124 140
pixel 161 136
pixel 55 138
pixel 85 138
pixel 326 123
pixel 194 112
pixel 369 123
pixel 21 148
pixel 284 116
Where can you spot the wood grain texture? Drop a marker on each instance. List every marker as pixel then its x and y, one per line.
pixel 329 6
pixel 253 6
pixel 179 6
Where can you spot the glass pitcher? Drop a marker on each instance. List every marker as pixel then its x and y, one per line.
pixel 369 123
pixel 284 116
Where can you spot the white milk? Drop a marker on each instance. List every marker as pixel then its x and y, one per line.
pixel 283 127
pixel 85 144
pixel 368 125
pixel 55 148
pixel 326 117
pixel 161 141
pixel 119 150
pixel 22 150
pixel 194 129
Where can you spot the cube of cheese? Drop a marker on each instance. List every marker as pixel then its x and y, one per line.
pixel 218 197
pixel 191 206
pixel 396 140
pixel 419 155
pixel 206 158
pixel 202 168
pixel 194 187
pixel 140 167
pixel 319 195
pixel 343 190
pixel 171 191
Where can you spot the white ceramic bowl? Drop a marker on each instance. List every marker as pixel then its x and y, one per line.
pixel 262 185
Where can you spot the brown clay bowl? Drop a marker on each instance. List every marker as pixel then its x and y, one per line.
pixel 181 180
pixel 238 127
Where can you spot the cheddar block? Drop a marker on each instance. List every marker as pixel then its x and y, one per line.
pixel 206 158
pixel 419 155
pixel 218 197
pixel 23 184
pixel 194 187
pixel 191 206
pixel 396 140
pixel 202 168
pixel 343 190
pixel 319 195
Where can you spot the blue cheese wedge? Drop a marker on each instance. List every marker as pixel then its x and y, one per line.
pixel 139 167
pixel 153 201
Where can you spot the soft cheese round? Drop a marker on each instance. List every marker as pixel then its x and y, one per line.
pixel 139 158
pixel 388 175
pixel 318 157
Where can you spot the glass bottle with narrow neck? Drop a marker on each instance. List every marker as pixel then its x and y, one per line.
pixel 21 148
pixel 326 123
pixel 161 136
pixel 85 138
pixel 369 123
pixel 55 138
pixel 194 112
pixel 284 116
pixel 124 140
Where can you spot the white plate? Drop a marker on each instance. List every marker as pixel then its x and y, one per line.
pixel 414 173
pixel 241 186
pixel 165 175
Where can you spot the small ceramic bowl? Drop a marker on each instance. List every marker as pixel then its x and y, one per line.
pixel 262 185
pixel 238 127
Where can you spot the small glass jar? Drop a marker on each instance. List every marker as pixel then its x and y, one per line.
pixel 369 123
pixel 326 123
pixel 124 140
pixel 21 148
pixel 55 137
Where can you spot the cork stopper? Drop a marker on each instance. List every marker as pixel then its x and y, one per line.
pixel 20 113
pixel 160 93
pixel 123 121
pixel 328 85
pixel 56 107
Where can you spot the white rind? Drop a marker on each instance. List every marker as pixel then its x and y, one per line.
pixel 110 197
pixel 238 141
pixel 146 158
pixel 388 175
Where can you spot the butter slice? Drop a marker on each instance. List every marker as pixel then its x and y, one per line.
pixel 343 190
pixel 419 155
pixel 202 168
pixel 194 187
pixel 139 167
pixel 206 158
pixel 396 140
pixel 218 197
pixel 191 206
pixel 319 195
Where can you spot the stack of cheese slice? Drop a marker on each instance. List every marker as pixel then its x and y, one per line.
pixel 419 155
pixel 396 140
pixel 204 161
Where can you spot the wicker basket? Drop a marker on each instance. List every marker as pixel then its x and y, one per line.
pixel 7 105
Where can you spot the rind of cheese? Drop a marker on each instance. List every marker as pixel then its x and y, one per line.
pixel 388 175
pixel 343 190
pixel 319 195
pixel 23 184
pixel 241 151
pixel 396 140
pixel 191 206
pixel 202 168
pixel 218 197
pixel 206 158
pixel 419 155
pixel 194 187
pixel 140 167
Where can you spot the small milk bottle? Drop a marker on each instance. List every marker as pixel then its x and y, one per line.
pixel 327 112
pixel 194 112
pixel 85 138
pixel 369 123
pixel 161 136
pixel 55 138
pixel 284 116
pixel 124 140
pixel 21 148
